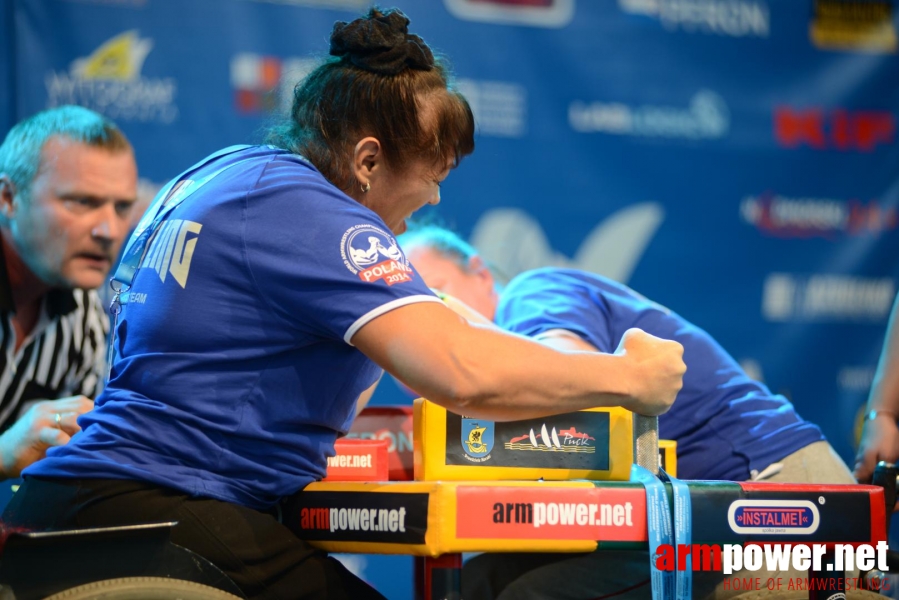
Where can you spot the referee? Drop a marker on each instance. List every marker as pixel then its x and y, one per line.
pixel 68 181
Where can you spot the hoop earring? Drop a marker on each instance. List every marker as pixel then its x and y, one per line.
pixel 366 187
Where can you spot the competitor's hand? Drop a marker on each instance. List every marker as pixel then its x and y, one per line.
pixel 657 369
pixel 880 441
pixel 38 429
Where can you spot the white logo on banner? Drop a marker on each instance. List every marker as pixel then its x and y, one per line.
pixel 514 242
pixel 553 13
pixel 500 108
pixel 109 81
pixel 734 18
pixel 856 378
pixel 705 117
pixel 787 297
pixel 798 213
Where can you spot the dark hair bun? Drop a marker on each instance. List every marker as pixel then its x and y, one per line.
pixel 381 43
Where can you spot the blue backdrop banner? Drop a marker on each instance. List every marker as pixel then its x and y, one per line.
pixel 735 160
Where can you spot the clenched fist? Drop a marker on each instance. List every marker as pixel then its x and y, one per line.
pixel 656 370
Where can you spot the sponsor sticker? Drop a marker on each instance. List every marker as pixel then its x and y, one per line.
pixel 572 441
pixel 773 517
pixel 477 439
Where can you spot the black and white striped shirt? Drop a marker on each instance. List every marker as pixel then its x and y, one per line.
pixel 64 355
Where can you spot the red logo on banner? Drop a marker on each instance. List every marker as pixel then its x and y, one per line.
pixel 515 2
pixel 834 130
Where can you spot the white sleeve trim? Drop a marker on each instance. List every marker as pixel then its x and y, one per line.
pixel 385 308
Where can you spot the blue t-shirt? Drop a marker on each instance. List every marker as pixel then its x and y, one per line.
pixel 725 423
pixel 234 373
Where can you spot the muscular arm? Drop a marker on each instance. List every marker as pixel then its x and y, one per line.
pixel 880 438
pixel 487 373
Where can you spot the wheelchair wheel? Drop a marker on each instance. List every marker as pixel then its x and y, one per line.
pixel 142 588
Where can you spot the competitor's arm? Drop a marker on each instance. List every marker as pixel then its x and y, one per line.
pixel 880 437
pixel 487 373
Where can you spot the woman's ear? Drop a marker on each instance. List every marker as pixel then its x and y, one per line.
pixel 368 161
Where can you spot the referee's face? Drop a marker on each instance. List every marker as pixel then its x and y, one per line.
pixel 70 226
pixel 473 285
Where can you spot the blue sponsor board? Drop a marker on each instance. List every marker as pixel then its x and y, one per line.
pixel 734 160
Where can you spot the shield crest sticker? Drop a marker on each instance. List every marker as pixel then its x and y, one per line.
pixel 477 437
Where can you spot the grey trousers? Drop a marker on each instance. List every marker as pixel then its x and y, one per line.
pixel 623 575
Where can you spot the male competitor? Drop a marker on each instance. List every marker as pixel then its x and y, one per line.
pixel 726 425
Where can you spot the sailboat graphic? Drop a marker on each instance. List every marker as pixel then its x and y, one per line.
pixel 550 441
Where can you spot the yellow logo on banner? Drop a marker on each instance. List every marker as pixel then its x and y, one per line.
pixel 850 25
pixel 120 58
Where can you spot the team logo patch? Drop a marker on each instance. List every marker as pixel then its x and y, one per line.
pixel 477 439
pixel 773 517
pixel 373 255
pixel 564 440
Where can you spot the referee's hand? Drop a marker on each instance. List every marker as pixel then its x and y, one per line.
pixel 46 424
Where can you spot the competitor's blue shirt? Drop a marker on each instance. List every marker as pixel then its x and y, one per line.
pixel 234 373
pixel 725 423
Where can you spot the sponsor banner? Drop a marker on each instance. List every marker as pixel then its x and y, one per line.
pixel 577 440
pixel 355 5
pixel 705 117
pixel 264 84
pixel 606 514
pixel 731 18
pixel 390 518
pixel 109 81
pixel 852 25
pixel 393 425
pixel 537 13
pixel 795 217
pixel 833 129
pixel 500 108
pixel 764 513
pixel 835 298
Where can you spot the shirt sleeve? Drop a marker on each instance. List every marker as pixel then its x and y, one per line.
pixel 545 299
pixel 326 264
